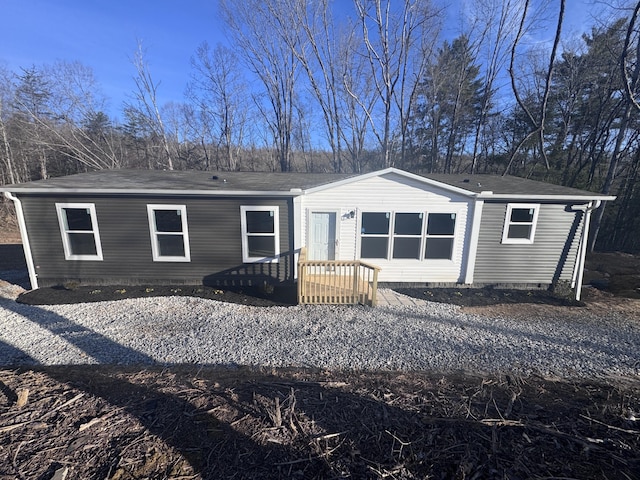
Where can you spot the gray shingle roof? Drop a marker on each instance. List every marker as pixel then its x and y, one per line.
pixel 181 181
pixel 507 185
pixel 255 183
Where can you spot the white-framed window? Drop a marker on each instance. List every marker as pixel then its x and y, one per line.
pixel 169 233
pixel 440 236
pixel 260 233
pixel 374 234
pixel 407 235
pixel 79 229
pixel 520 223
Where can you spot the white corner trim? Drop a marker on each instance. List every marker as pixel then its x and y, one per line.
pixel 26 246
pixel 298 223
pixel 473 241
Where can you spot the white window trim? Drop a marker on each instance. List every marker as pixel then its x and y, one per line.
pixel 454 237
pixel 423 237
pixel 508 223
pixel 393 235
pixel 245 235
pixel 388 235
pixel 155 247
pixel 64 231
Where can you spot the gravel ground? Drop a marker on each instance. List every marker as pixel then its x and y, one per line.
pixel 440 337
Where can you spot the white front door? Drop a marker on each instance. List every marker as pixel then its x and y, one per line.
pixel 322 236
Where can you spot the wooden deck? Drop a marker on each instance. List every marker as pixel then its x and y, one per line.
pixel 336 281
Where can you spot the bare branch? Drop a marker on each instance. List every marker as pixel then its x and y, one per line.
pixel 631 82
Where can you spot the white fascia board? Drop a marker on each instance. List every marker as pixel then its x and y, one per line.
pixel 380 173
pixel 185 193
pixel 542 198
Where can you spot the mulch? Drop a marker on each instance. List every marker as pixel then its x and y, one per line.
pixel 197 422
pixel 280 296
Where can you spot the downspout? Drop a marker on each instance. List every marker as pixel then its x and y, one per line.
pixel 33 276
pixel 582 250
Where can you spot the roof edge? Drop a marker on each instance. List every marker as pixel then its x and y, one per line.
pixel 505 196
pixel 178 193
pixel 402 173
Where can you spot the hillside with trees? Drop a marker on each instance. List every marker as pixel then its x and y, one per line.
pixel 302 88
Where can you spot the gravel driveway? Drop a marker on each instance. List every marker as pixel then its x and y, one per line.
pixel 434 336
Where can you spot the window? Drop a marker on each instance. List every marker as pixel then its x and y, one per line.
pixel 520 223
pixel 169 235
pixel 374 235
pixel 260 235
pixel 407 235
pixel 403 235
pixel 79 229
pixel 440 236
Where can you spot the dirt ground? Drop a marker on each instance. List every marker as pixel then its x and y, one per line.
pixel 216 422
pixel 192 422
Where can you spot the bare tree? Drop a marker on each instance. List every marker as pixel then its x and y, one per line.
pixel 145 103
pixel 491 28
pixel 391 37
pixel 219 92
pixel 311 35
pixel 6 154
pixel 81 131
pixel 631 79
pixel 357 99
pixel 537 123
pixel 257 28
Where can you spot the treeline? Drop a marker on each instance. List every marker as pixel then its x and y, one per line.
pixel 310 85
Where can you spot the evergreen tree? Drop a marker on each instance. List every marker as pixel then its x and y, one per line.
pixel 447 106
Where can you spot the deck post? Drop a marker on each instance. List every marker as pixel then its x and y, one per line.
pixel 301 274
pixel 374 288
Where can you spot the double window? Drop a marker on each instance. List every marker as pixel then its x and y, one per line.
pixel 260 233
pixel 407 235
pixel 79 230
pixel 169 233
pixel 520 223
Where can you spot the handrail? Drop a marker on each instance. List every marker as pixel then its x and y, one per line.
pixel 336 281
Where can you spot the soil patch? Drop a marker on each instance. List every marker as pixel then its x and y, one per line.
pixel 615 272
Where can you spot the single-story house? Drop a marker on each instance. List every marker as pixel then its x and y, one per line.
pixel 224 228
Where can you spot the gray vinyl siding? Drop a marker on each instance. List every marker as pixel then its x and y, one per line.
pixel 214 236
pixel 551 257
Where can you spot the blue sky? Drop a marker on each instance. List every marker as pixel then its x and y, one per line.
pixel 103 35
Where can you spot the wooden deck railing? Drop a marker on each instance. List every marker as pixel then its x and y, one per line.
pixel 336 281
